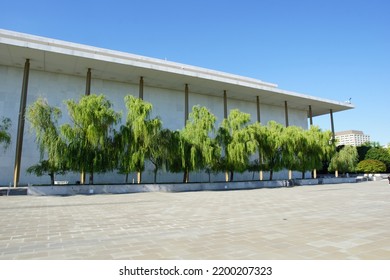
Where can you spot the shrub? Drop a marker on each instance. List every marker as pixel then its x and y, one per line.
pixel 371 166
pixel 380 154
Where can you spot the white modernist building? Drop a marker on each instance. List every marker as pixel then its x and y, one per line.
pixel 352 138
pixel 32 67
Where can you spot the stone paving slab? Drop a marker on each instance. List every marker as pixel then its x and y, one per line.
pixel 345 221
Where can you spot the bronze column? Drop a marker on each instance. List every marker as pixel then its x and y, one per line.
pixel 286 113
pixel 224 104
pixel 332 124
pixel 314 173
pixel 141 88
pixel 287 124
pixel 22 109
pixel 88 83
pixel 310 115
pixel 259 120
pixel 333 134
pixel 225 116
pixel 87 92
pixel 258 108
pixel 186 104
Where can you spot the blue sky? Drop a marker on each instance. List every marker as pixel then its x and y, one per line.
pixel 325 48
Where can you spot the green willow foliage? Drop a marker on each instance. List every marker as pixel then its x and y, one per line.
pixel 345 160
pixel 141 132
pixel 234 137
pixel 306 149
pixel 273 154
pixel 161 148
pixel 90 143
pixel 43 119
pixel 5 137
pixel 197 148
pixel 89 137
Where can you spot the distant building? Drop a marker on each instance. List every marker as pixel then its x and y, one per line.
pixel 352 138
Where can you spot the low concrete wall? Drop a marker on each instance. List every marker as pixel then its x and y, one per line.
pixel 338 180
pixel 135 188
pixel 305 182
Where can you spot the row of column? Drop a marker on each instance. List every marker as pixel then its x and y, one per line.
pixel 23 99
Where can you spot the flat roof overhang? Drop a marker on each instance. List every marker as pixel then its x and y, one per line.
pixel 74 59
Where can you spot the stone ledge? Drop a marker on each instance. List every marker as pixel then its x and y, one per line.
pixel 66 190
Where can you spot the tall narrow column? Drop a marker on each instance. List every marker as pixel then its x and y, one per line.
pixel 186 105
pixel 336 173
pixel 87 92
pixel 286 113
pixel 22 109
pixel 141 88
pixel 310 115
pixel 261 175
pixel 225 116
pixel 224 104
pixel 314 173
pixel 332 123
pixel 88 83
pixel 287 124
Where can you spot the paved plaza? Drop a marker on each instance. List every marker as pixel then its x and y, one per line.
pixel 343 221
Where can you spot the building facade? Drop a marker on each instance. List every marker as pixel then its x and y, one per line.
pixel 352 138
pixel 32 67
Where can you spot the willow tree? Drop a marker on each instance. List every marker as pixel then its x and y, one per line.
pixel 273 147
pixel 160 149
pixel 235 139
pixel 344 160
pixel 143 130
pixel 89 137
pixel 322 147
pixel 43 119
pixel 5 136
pixel 175 159
pixel 124 150
pixel 197 148
pixel 258 134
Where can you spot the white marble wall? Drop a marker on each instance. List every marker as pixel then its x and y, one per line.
pixel 167 104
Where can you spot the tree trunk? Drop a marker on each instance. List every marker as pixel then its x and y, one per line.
pixel 231 175
pixel 127 178
pixel 271 174
pixel 186 176
pixel 226 176
pixel 139 177
pixel 155 175
pixel 82 177
pixel 51 174
pixel 303 174
pixel 91 178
